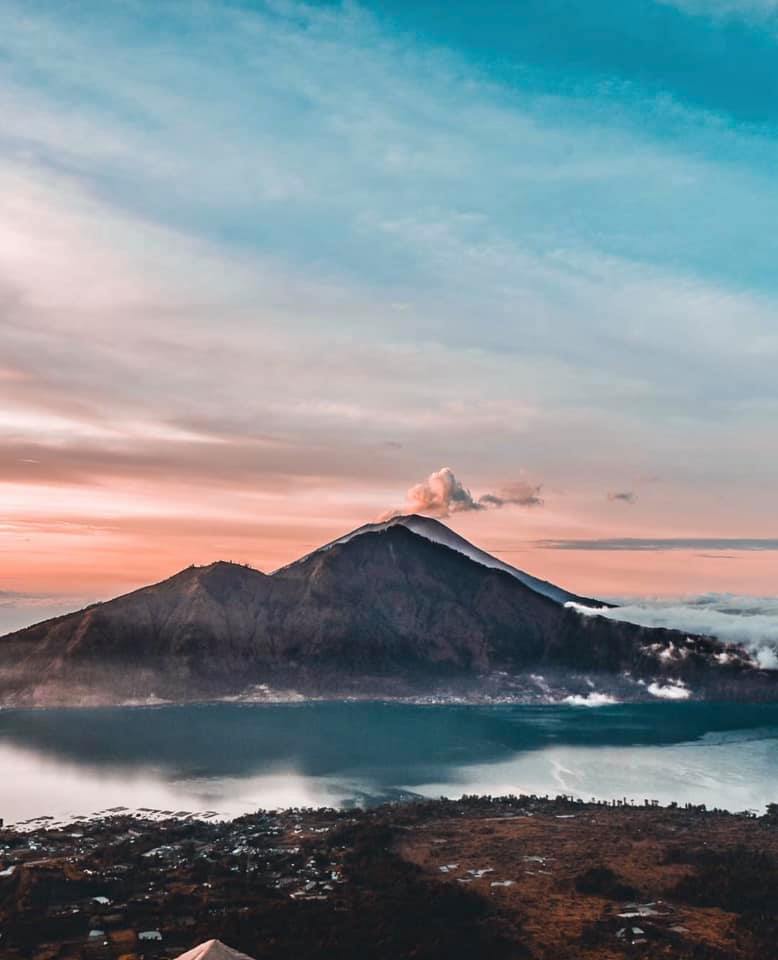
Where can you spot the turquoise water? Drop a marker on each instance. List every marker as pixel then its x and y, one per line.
pixel 231 758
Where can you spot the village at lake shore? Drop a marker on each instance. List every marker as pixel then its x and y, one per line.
pixel 489 877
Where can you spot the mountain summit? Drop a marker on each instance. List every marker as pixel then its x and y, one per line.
pixel 402 608
pixel 438 532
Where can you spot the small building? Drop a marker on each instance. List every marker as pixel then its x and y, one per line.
pixel 213 950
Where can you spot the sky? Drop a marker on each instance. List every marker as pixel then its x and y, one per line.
pixel 270 270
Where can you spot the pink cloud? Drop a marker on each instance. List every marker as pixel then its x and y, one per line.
pixel 442 494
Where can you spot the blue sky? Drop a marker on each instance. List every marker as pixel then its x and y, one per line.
pixel 661 86
pixel 294 258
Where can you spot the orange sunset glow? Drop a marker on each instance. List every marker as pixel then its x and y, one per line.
pixel 237 324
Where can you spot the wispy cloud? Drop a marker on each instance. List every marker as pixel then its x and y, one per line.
pixel 661 544
pixel 622 496
pixel 746 9
pixel 230 273
pixel 520 493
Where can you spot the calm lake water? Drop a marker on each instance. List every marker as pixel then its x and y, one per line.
pixel 231 758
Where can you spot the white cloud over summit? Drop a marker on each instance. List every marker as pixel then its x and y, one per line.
pixel 442 494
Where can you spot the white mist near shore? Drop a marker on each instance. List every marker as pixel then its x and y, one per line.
pixel 749 621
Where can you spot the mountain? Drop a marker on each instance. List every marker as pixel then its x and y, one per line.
pixel 438 532
pixel 383 611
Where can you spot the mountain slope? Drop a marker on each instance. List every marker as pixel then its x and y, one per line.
pixel 438 532
pixel 384 612
pixel 174 630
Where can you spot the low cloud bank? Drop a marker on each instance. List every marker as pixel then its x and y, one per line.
pixel 19 610
pixel 442 494
pixel 750 621
pixel 593 699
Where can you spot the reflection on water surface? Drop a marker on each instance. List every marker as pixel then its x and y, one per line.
pixel 231 758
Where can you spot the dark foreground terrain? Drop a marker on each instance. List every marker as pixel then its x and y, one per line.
pixel 477 878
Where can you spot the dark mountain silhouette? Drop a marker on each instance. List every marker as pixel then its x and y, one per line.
pixel 386 611
pixel 438 532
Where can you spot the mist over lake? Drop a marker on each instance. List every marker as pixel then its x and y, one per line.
pixel 229 758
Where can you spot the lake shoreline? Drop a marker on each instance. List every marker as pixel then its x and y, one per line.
pixel 233 758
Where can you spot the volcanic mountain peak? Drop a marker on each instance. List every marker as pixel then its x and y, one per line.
pixel 438 532
pixel 404 605
pixel 219 579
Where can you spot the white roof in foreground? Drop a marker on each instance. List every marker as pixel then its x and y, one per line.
pixel 213 950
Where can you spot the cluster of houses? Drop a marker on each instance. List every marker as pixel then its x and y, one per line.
pixel 125 885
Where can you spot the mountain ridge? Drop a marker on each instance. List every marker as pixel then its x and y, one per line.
pixel 439 533
pixel 381 612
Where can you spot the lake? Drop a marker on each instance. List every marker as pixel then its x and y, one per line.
pixel 231 758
